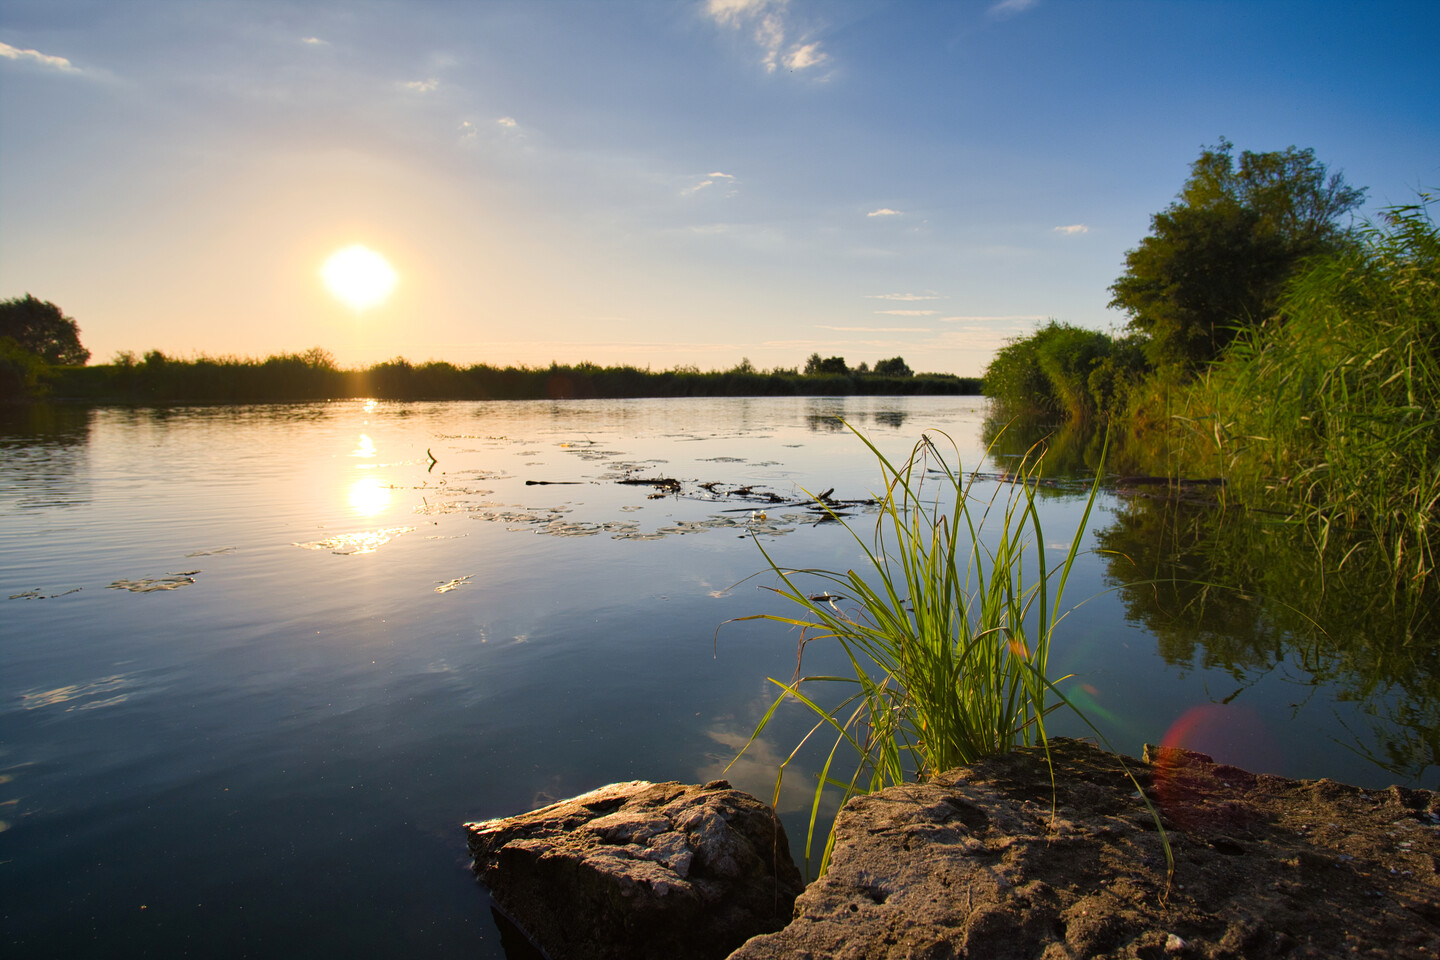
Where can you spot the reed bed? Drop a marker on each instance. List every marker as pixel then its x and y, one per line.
pixel 1334 409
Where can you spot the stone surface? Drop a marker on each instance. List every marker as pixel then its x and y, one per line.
pixel 640 870
pixel 991 861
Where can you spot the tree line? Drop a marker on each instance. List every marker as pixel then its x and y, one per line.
pixel 44 357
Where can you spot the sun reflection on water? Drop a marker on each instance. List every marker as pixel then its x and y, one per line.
pixel 369 497
pixel 366 448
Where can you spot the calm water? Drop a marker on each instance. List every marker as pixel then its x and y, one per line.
pixel 259 664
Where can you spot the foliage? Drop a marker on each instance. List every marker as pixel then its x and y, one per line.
pixel 1217 258
pixel 1053 369
pixel 814 366
pixel 947 633
pixel 1336 405
pixel 313 375
pixel 893 367
pixel 39 327
pixel 20 372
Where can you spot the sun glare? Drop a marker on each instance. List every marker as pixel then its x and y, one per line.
pixel 358 276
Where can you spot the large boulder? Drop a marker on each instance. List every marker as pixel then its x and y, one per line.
pixel 999 859
pixel 640 870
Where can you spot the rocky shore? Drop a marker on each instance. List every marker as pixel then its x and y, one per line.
pixel 992 860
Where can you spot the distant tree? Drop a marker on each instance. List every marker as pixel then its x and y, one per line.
pixel 319 358
pixel 894 367
pixel 39 327
pixel 744 366
pixel 20 371
pixel 830 365
pixel 1218 257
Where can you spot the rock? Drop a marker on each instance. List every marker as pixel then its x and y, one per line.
pixel 640 870
pixel 991 861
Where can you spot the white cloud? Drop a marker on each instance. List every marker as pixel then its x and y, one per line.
pixel 770 31
pixel 902 296
pixel 1072 229
pixel 421 86
pixel 698 187
pixel 908 313
pixel 507 122
pixel 1010 8
pixel 731 13
pixel 884 212
pixel 35 56
pixel 720 176
pixel 314 42
pixel 806 55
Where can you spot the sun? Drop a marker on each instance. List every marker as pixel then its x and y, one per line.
pixel 358 276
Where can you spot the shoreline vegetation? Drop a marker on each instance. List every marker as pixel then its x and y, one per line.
pixel 1294 361
pixel 158 379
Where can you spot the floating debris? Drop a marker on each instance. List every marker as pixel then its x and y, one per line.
pixel 210 553
pixel 663 485
pixel 449 585
pixel 37 595
pixel 172 581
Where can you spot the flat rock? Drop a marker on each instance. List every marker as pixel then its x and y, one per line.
pixel 640 870
pixel 993 861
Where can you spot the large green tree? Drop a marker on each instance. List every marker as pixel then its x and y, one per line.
pixel 39 327
pixel 1218 258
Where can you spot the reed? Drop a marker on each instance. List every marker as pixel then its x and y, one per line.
pixel 947 629
pixel 1336 407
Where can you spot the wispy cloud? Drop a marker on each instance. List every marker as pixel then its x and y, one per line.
pixel 908 313
pixel 314 42
pixel 508 122
pixel 821 326
pixel 902 296
pixel 421 86
pixel 1072 229
pixel 770 28
pixel 710 180
pixel 1008 318
pixel 884 212
pixel 1010 8
pixel 35 56
pixel 805 55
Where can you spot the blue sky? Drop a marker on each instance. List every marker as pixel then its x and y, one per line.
pixel 655 183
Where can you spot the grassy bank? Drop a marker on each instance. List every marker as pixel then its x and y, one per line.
pixel 313 375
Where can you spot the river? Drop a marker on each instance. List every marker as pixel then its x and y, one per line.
pixel 260 663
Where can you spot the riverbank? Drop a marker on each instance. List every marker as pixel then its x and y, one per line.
pixel 999 859
pixel 1033 853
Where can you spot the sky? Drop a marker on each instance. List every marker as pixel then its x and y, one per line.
pixel 660 184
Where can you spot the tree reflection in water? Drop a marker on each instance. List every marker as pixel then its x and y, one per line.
pixel 1224 587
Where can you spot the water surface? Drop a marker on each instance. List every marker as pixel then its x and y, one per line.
pixel 260 663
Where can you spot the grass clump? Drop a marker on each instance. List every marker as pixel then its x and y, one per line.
pixel 947 629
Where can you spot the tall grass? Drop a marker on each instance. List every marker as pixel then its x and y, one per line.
pixel 1336 406
pixel 947 629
